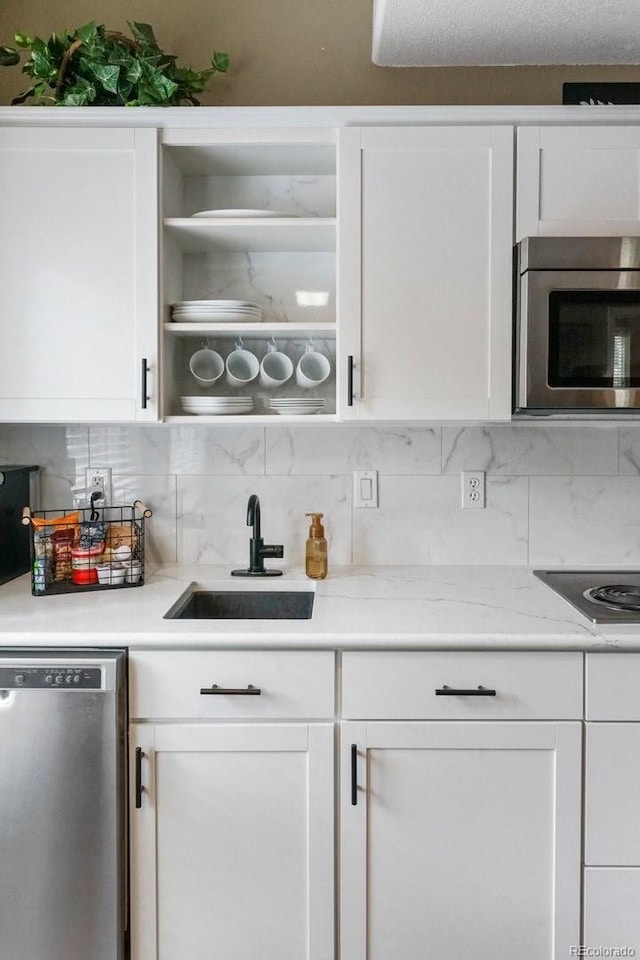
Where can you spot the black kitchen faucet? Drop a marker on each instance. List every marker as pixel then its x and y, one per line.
pixel 258 549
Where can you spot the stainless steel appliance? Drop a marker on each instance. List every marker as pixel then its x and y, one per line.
pixel 62 805
pixel 611 597
pixel 577 336
pixel 18 489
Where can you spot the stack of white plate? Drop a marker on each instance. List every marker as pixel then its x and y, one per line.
pixel 216 406
pixel 296 405
pixel 216 311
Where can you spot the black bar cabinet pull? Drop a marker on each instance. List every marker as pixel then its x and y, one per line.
pixel 354 774
pixel 446 691
pixel 139 787
pixel 349 381
pixel 249 691
pixel 145 371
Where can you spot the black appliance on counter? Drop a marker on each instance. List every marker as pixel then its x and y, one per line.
pixel 18 489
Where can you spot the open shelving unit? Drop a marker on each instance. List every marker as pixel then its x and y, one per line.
pixel 285 262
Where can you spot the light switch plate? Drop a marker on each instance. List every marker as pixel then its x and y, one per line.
pixel 365 489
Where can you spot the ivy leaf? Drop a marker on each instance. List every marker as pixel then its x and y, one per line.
pixel 220 61
pixel 21 39
pixel 107 75
pixel 133 71
pixel 9 57
pixel 88 32
pixel 43 65
pixel 143 32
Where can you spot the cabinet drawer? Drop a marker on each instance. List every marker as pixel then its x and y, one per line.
pixel 402 686
pixel 165 685
pixel 613 686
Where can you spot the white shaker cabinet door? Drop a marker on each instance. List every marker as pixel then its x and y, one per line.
pixel 612 911
pixel 232 844
pixel 460 840
pixel 78 261
pixel 612 794
pixel 578 182
pixel 425 260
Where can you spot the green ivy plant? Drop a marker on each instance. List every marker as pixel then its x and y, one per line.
pixel 92 66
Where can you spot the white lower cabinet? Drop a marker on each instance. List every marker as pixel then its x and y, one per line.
pixel 232 814
pixel 460 834
pixel 460 840
pixel 232 846
pixel 612 804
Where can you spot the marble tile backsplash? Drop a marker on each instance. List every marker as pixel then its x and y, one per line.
pixel 556 494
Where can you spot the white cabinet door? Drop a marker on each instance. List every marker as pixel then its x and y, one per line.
pixel 613 794
pixel 578 181
pixel 612 912
pixel 425 262
pixel 232 846
pixel 460 841
pixel 78 261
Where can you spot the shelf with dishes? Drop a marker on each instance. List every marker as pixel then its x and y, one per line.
pixel 269 377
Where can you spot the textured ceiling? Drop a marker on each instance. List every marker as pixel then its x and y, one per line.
pixel 422 33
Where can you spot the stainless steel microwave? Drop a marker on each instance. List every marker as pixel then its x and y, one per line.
pixel 577 331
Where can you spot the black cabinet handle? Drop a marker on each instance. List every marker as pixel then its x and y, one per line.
pixel 349 381
pixel 139 787
pixel 446 691
pixel 145 371
pixel 249 691
pixel 354 774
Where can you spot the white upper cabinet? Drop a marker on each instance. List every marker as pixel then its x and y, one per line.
pixel 425 262
pixel 78 261
pixel 578 181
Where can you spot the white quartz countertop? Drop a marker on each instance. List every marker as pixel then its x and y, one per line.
pixel 445 607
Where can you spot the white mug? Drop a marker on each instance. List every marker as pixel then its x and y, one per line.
pixel 242 367
pixel 313 368
pixel 276 367
pixel 206 366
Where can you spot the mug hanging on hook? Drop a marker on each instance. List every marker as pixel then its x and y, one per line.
pixel 276 367
pixel 242 365
pixel 313 367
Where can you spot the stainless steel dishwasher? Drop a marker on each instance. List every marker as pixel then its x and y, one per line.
pixel 62 804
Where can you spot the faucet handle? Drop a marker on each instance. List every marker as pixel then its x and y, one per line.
pixel 272 550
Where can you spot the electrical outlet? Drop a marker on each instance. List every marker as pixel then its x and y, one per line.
pixel 473 490
pixel 98 479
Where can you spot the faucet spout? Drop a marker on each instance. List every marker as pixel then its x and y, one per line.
pixel 253 515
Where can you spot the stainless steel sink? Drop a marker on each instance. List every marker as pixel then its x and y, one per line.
pixel 201 604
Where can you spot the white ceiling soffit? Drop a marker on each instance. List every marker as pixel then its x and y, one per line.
pixel 440 33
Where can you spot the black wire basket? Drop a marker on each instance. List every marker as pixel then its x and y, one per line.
pixel 90 548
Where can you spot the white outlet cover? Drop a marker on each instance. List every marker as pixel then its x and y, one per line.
pixel 473 494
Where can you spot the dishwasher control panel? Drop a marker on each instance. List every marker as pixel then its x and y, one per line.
pixel 51 676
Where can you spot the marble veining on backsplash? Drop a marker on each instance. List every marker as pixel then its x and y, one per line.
pixel 557 495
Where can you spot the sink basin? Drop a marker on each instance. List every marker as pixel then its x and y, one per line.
pixel 198 604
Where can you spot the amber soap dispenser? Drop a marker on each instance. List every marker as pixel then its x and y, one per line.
pixel 315 559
